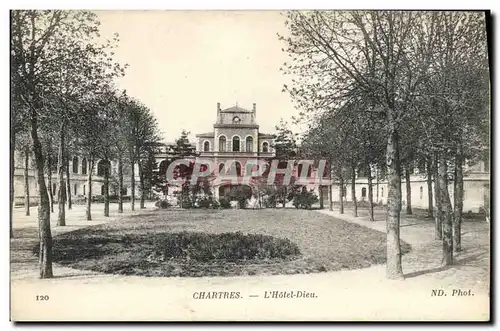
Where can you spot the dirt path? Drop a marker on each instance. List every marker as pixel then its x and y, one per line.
pixel 362 294
pixel 424 260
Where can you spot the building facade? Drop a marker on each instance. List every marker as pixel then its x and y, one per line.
pixel 234 140
pixel 79 170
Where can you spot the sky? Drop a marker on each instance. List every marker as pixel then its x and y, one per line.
pixel 181 63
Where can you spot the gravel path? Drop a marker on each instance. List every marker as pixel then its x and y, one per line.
pixel 362 294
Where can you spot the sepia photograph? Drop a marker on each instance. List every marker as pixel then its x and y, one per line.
pixel 250 165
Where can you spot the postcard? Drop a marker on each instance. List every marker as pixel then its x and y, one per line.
pixel 322 165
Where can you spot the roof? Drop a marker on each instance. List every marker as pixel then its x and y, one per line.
pixel 173 143
pixel 235 109
pixel 206 134
pixel 266 135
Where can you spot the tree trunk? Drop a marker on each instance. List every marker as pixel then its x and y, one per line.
pixel 106 187
pixel 45 235
pixel 49 182
pixel 430 209
pixel 141 186
pixel 438 230
pixel 377 186
pixel 11 189
pixel 341 194
pixel 284 196
pixel 120 184
pixel 458 202
pixel 321 202
pixel 26 181
pixel 61 217
pixel 447 212
pixel 132 186
pixel 370 194
pixel 88 210
pixel 353 192
pixel 68 182
pixel 409 211
pixel 330 198
pixel 394 269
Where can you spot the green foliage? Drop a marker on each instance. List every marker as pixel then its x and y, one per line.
pixel 305 199
pixel 186 201
pixel 285 142
pixel 208 201
pixel 183 247
pixel 270 201
pixel 182 147
pixel 162 204
pixel 241 194
pixel 270 196
pixel 231 247
pixel 225 203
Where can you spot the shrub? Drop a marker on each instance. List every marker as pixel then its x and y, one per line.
pixel 204 202
pixel 208 201
pixel 187 202
pixel 98 198
pixel 232 246
pixel 225 203
pixel 269 201
pixel 242 202
pixel 162 204
pixel 241 194
pixel 214 204
pixel 305 199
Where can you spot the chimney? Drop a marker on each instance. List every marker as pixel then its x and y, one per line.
pixel 218 107
pixel 254 108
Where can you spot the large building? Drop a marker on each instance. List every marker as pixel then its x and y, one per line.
pixel 235 136
pixel 79 169
pixel 476 189
pixel 235 139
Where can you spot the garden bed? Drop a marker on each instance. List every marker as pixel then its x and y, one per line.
pixel 221 243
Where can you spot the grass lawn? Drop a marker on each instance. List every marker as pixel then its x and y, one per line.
pixel 130 246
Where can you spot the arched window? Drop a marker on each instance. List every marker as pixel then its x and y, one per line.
pixel 221 168
pixel 363 192
pixel 84 190
pixel 222 144
pixel 75 189
pixel 421 192
pixel 75 165
pixel 84 167
pixel 382 193
pixel 249 144
pixel 232 167
pixel 265 147
pixel 206 146
pixel 54 189
pixel 236 144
